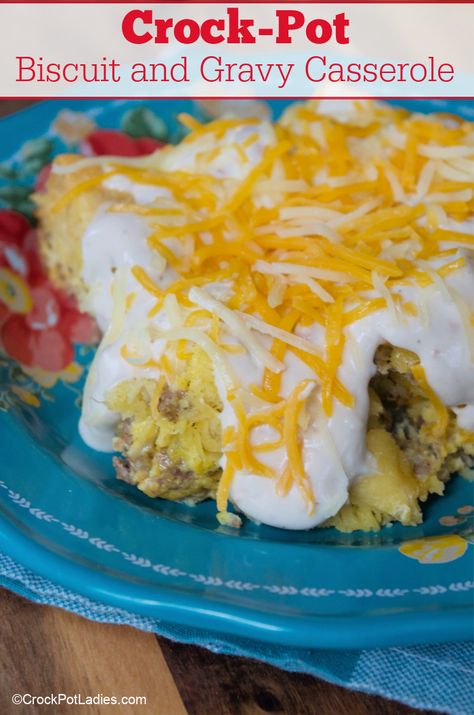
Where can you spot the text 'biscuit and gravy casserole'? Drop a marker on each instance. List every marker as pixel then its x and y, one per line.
pixel 286 311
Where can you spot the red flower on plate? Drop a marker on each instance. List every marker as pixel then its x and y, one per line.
pixel 116 143
pixel 38 323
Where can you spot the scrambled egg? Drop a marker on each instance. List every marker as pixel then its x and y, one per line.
pixel 412 460
pixel 170 433
pixel 170 437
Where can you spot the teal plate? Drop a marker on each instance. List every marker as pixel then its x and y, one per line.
pixel 63 515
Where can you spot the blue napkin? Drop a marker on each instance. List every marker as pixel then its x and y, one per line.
pixel 435 677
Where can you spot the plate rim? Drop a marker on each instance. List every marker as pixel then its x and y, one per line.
pixel 407 628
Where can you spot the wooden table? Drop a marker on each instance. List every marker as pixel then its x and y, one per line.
pixel 46 650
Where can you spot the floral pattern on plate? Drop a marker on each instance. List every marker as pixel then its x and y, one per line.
pixel 435 549
pixel 39 324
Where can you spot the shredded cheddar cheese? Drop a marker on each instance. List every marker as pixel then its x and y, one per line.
pixel 292 442
pixel 144 279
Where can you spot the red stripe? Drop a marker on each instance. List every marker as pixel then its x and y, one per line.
pixel 266 97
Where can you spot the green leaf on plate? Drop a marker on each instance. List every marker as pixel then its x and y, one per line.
pixel 37 148
pixel 11 193
pixel 34 164
pixel 142 122
pixel 7 172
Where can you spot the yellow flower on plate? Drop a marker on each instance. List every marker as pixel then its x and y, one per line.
pixel 25 396
pixel 73 126
pixel 14 292
pixel 71 373
pixel 435 549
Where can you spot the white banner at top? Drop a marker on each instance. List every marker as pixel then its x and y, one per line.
pixel 236 50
